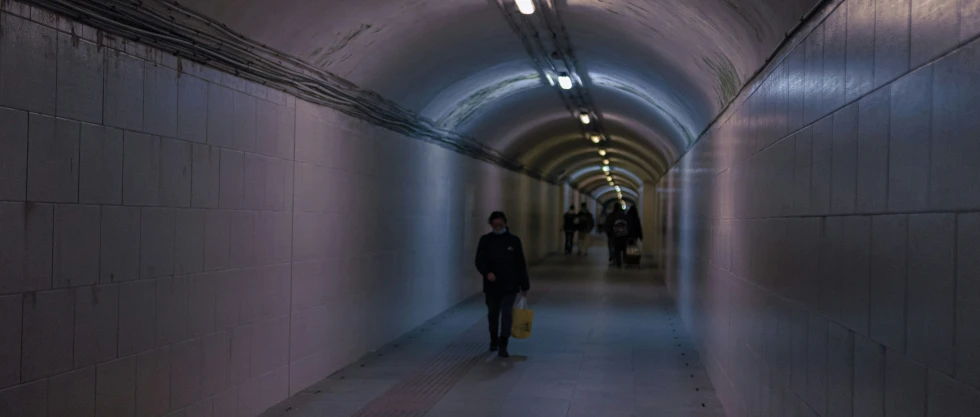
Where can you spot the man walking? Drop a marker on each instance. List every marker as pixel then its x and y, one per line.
pixel 586 223
pixel 500 259
pixel 570 227
pixel 617 228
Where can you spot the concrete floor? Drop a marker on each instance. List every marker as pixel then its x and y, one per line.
pixel 605 344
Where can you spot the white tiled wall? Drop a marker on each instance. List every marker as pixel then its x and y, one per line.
pixel 823 236
pixel 174 239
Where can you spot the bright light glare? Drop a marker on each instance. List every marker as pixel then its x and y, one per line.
pixel 596 139
pixel 602 152
pixel 618 189
pixel 565 82
pixel 609 178
pixel 605 168
pixel 525 6
pixel 584 117
pixel 605 162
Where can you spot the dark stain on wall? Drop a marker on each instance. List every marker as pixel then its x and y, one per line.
pixel 322 56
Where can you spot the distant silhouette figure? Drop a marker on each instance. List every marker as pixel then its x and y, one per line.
pixel 617 228
pixel 570 227
pixel 586 223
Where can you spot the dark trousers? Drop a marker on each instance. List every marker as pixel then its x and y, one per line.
pixel 619 249
pixel 500 306
pixel 569 241
pixel 611 241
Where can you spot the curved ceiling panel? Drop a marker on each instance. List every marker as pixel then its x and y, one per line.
pixel 591 170
pixel 550 154
pixel 591 183
pixel 610 199
pixel 656 72
pixel 610 192
pixel 635 164
pixel 518 118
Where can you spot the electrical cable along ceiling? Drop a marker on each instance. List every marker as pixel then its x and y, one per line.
pixel 549 47
pixel 487 78
pixel 209 42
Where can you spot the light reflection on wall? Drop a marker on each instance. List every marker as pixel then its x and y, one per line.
pixel 674 116
pixel 461 102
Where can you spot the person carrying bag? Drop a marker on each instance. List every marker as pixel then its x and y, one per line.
pixel 500 259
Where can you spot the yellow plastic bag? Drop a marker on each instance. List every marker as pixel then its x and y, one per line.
pixel 523 318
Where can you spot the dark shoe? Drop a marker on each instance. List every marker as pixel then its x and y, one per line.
pixel 503 353
pixel 493 346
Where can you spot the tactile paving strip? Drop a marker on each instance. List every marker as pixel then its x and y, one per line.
pixel 415 395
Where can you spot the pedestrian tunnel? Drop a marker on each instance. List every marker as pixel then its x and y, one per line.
pixel 217 208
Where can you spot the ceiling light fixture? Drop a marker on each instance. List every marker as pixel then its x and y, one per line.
pixel 565 81
pixel 619 190
pixel 596 139
pixel 609 178
pixel 602 152
pixel 605 168
pixel 605 162
pixel 584 117
pixel 525 6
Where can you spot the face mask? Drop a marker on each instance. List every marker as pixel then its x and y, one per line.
pixel 500 232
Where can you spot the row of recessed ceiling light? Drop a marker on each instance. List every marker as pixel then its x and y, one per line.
pixel 525 6
pixel 586 119
pixel 565 82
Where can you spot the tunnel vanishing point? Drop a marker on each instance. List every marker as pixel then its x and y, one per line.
pixel 219 208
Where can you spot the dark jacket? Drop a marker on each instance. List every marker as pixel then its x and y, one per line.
pixel 570 225
pixel 585 222
pixel 633 217
pixel 611 221
pixel 503 255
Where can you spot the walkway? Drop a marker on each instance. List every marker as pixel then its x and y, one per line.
pixel 605 344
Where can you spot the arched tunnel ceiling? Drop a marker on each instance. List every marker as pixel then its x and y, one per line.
pixel 575 160
pixel 610 194
pixel 583 175
pixel 608 200
pixel 658 71
pixel 594 183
